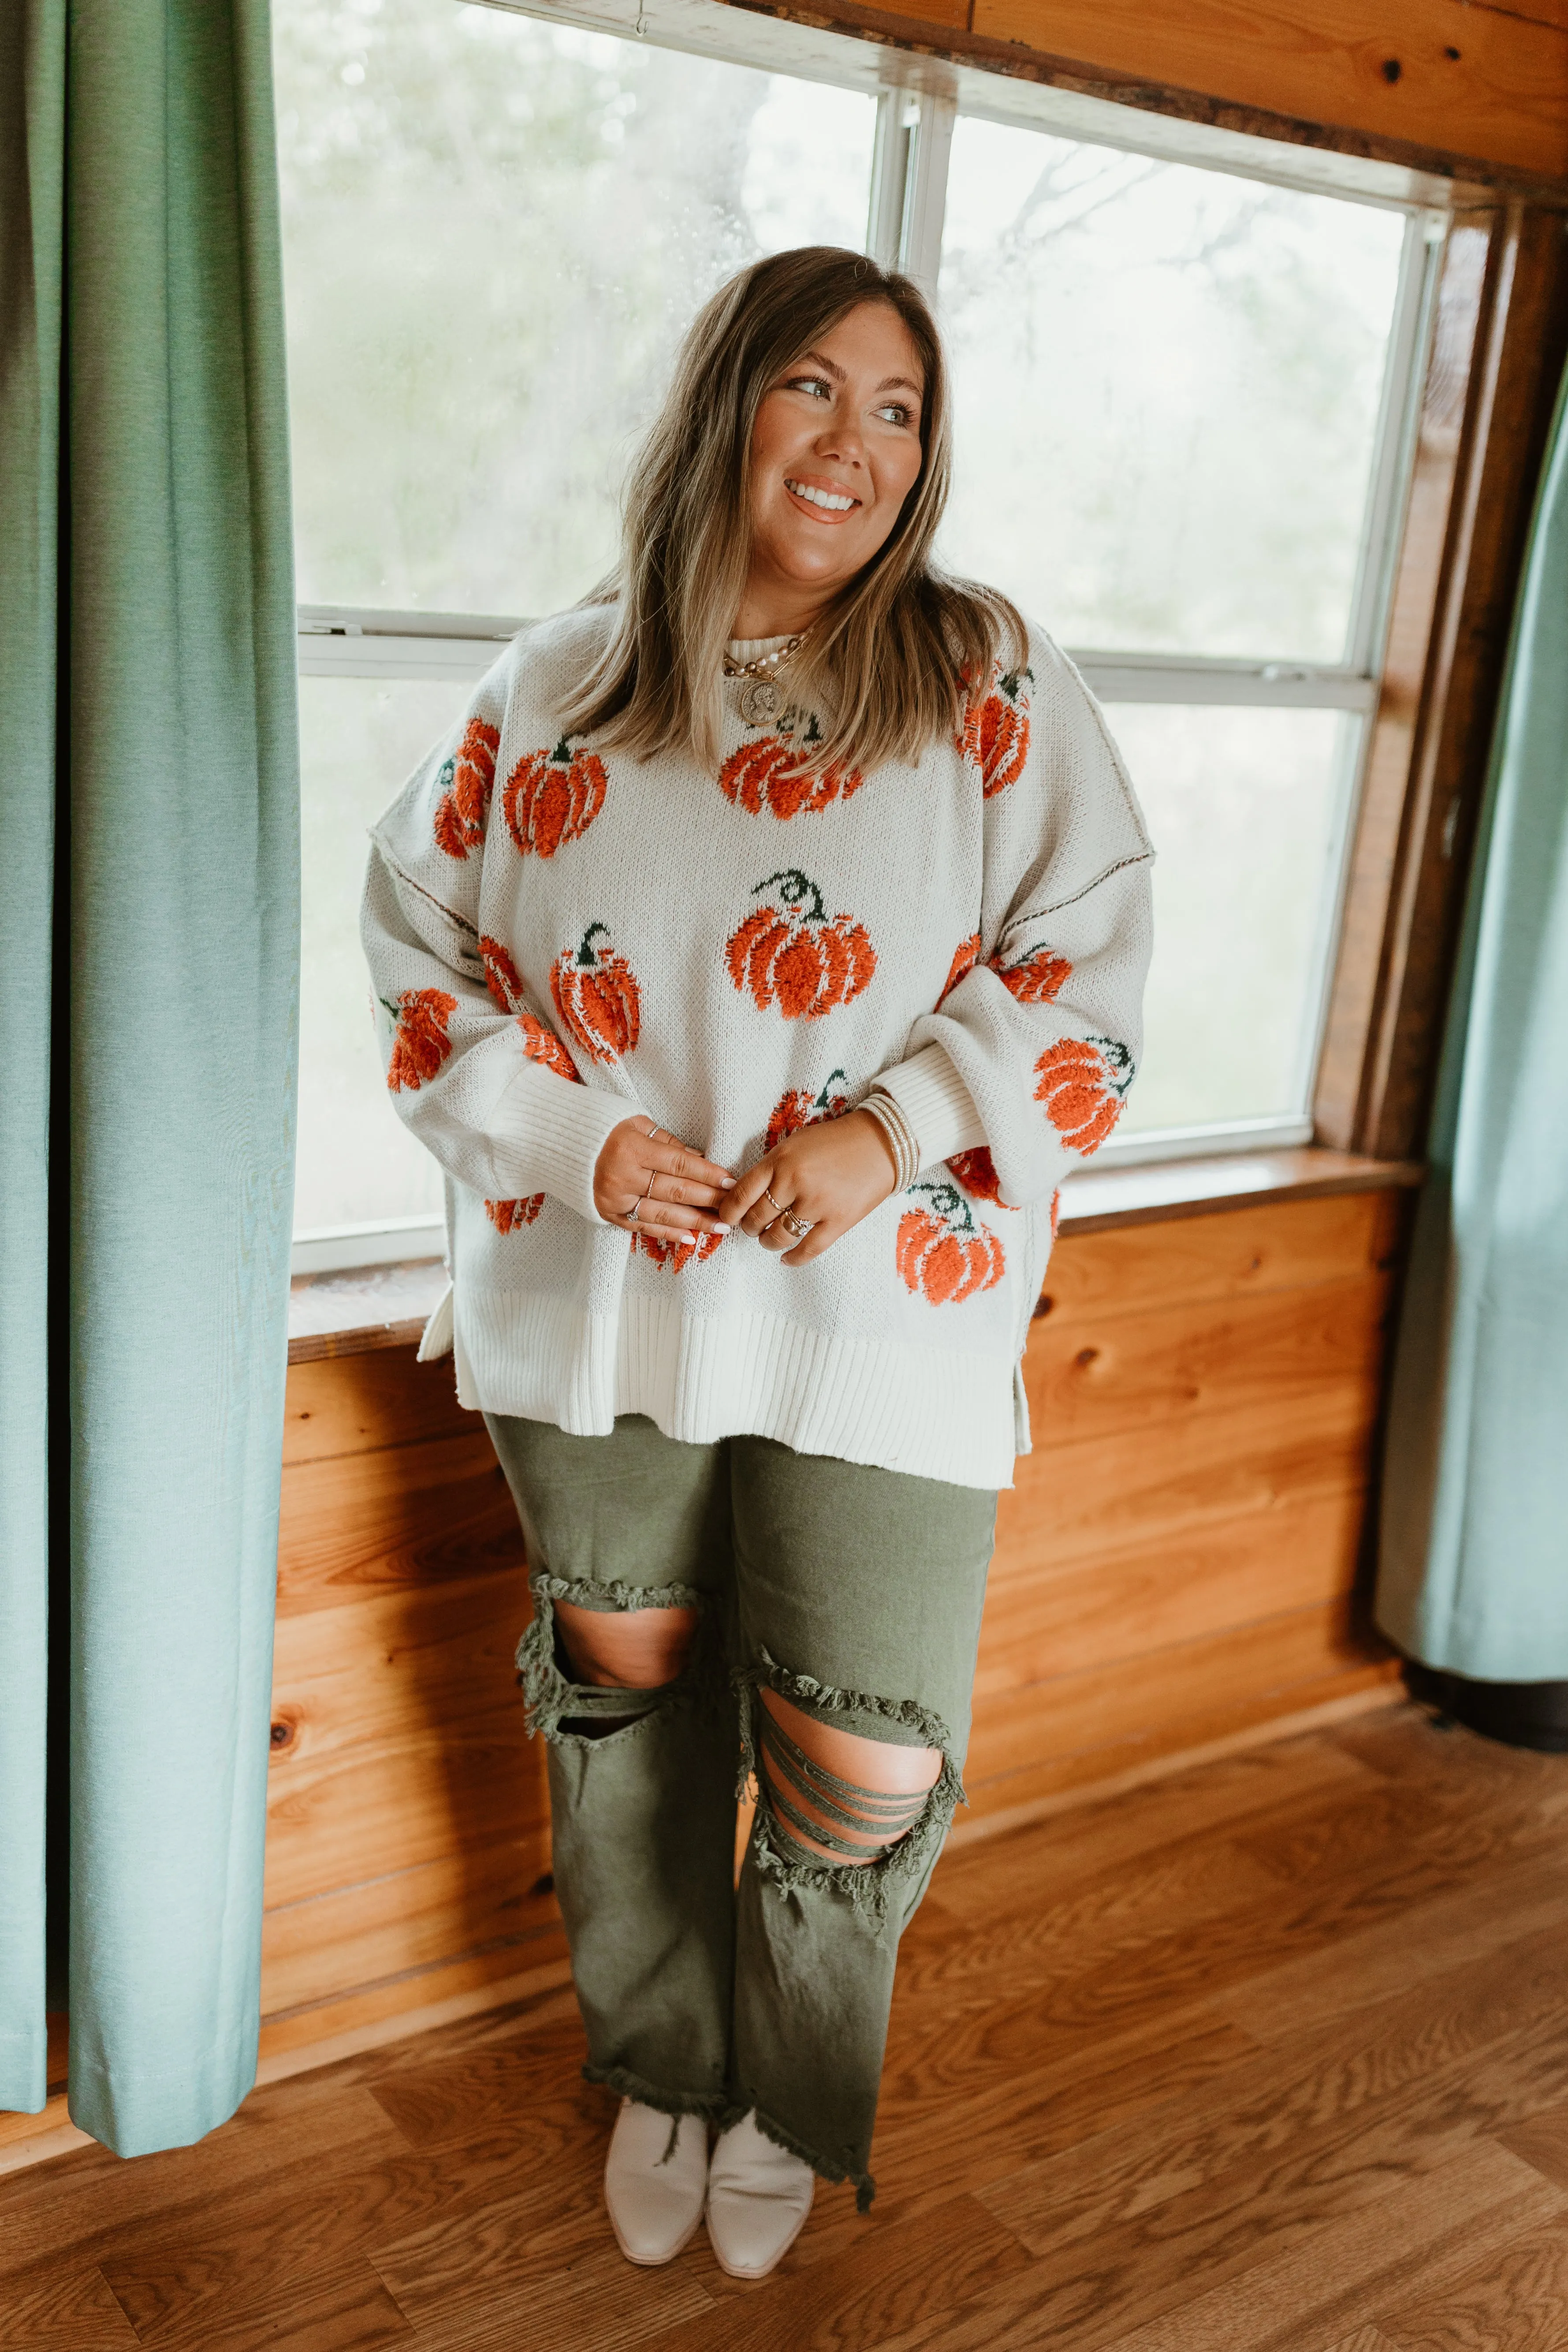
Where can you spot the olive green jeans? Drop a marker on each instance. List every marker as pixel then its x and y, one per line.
pixel 853 1592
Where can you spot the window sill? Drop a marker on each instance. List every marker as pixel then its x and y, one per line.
pixel 346 1313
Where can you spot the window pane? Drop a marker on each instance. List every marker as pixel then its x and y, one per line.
pixel 1167 386
pixel 495 230
pixel 1247 809
pixel 359 739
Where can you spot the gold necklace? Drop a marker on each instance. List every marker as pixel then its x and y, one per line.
pixel 761 698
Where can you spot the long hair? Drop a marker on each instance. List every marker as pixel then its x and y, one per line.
pixel 890 663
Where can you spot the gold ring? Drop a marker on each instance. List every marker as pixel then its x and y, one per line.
pixel 792 1224
pixel 768 1196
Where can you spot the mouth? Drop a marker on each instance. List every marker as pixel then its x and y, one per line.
pixel 827 504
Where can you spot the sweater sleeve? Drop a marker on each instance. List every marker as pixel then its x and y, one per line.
pixel 475 1073
pixel 1038 1036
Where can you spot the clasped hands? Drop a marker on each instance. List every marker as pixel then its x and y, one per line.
pixel 823 1178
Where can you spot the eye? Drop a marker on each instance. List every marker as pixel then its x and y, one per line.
pixel 817 385
pixel 896 411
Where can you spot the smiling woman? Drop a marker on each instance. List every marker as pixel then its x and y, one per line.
pixel 835 387
pixel 756 1035
pixel 835 450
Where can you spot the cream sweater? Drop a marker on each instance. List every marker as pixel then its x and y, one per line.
pixel 559 938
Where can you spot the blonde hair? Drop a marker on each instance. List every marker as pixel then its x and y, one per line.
pixel 891 664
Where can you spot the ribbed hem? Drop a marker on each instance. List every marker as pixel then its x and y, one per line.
pixel 937 1104
pixel 933 1413
pixel 546 1135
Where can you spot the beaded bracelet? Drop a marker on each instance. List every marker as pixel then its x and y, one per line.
pixel 888 1114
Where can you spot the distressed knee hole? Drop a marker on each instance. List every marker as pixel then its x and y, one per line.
pixel 600 1657
pixel 837 1797
pixel 626 1649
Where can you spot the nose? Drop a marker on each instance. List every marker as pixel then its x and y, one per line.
pixel 841 441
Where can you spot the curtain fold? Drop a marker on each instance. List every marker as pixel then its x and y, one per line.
pixel 1473 1564
pixel 179 797
pixel 32 121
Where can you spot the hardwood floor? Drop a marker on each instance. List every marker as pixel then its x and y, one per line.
pixel 1269 2058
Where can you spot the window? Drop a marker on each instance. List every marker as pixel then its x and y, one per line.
pixel 1183 370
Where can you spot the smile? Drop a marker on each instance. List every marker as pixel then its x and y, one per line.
pixel 834 501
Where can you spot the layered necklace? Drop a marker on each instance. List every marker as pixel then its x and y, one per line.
pixel 762 696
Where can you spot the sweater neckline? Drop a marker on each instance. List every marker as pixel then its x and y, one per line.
pixel 745 649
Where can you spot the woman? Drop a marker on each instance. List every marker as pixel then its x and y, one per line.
pixel 757 956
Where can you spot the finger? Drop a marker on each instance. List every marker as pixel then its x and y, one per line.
pixel 668 1218
pixel 764 1212
pixel 776 1237
pixel 663 1192
pixel 673 1158
pixel 747 1191
pixel 678 1188
pixel 822 1236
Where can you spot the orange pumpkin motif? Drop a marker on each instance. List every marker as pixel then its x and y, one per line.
pixel 793 956
pixel 502 977
pixel 996 731
pixel 468 778
pixel 1082 1082
pixel 1056 1212
pixel 976 1172
pixel 676 1254
pixel 510 1216
pixel 421 1044
pixel 542 1044
pixel 597 997
pixel 797 1109
pixel 1037 978
pixel 965 956
pixel 774 772
pixel 941 1253
pixel 553 796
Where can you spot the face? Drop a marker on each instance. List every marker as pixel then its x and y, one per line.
pixel 834 453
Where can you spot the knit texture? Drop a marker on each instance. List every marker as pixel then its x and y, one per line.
pixel 561 937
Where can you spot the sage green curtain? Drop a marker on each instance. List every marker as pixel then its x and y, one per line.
pixel 1473 1574
pixel 148 796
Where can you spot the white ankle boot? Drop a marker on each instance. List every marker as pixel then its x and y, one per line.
pixel 655 2204
pixel 758 2198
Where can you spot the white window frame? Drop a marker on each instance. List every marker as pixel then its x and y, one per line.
pixel 918 100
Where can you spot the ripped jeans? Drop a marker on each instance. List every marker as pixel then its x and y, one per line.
pixel 823 1597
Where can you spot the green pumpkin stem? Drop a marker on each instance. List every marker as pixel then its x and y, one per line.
pixel 794 885
pixel 586 956
pixel 822 1102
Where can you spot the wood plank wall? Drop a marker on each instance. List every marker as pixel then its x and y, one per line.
pixel 1175 1567
pixel 1436 83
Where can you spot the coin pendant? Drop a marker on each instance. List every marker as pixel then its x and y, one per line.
pixel 761 700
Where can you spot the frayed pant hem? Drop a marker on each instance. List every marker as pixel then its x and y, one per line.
pixel 825 2166
pixel 715 2106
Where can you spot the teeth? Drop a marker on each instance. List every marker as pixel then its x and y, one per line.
pixel 834 505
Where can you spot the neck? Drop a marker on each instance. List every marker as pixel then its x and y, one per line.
pixel 771 608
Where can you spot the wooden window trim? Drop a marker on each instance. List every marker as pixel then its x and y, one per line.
pixel 1486 410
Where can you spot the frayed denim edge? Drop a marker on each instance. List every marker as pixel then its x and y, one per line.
pixel 867 1885
pixel 713 2106
pixel 862 2183
pixel 547 1693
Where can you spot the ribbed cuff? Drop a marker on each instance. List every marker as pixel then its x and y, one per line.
pixel 937 1104
pixel 546 1135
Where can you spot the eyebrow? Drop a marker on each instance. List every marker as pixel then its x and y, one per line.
pixel 888 384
